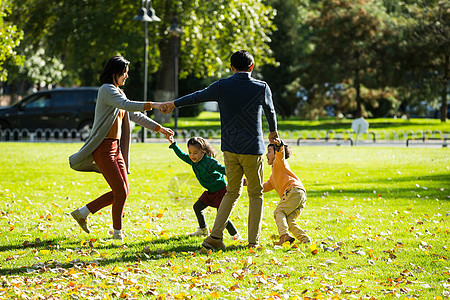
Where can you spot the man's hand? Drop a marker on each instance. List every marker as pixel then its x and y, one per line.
pixel 273 138
pixel 167 107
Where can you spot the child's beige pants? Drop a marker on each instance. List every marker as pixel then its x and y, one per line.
pixel 287 211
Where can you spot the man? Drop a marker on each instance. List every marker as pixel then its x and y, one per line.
pixel 241 101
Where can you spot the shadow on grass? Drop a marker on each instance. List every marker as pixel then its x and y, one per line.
pixel 36 244
pixel 158 249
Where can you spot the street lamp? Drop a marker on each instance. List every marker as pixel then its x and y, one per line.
pixel 146 14
pixel 176 32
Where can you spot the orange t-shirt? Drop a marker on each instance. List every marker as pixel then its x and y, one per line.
pixel 116 129
pixel 282 177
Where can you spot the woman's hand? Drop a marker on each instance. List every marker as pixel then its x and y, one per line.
pixel 171 139
pixel 167 132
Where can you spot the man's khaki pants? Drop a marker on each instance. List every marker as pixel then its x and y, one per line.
pixel 236 166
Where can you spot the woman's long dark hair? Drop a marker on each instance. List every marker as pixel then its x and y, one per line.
pixel 116 66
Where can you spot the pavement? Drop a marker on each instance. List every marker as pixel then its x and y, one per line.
pixel 417 143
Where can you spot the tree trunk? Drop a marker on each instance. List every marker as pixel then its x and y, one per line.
pixel 14 97
pixel 358 88
pixel 165 78
pixel 444 90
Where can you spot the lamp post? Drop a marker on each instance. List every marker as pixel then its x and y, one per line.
pixel 176 32
pixel 146 14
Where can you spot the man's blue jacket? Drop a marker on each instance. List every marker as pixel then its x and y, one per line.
pixel 241 100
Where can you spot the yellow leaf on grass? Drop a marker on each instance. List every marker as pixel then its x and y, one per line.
pixel 286 245
pixel 44 252
pixel 72 271
pixel 180 296
pixel 148 225
pixel 214 295
pixel 313 247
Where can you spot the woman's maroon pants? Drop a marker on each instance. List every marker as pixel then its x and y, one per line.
pixel 109 160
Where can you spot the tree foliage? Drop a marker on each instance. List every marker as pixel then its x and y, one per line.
pixel 289 47
pixel 426 50
pixel 85 33
pixel 10 37
pixel 361 57
pixel 347 43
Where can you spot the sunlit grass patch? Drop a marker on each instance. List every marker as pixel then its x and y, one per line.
pixel 378 218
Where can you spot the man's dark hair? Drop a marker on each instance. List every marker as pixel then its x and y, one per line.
pixel 242 60
pixel 116 66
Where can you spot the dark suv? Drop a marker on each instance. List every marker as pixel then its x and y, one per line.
pixel 61 108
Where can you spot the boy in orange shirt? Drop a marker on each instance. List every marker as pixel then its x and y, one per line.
pixel 291 191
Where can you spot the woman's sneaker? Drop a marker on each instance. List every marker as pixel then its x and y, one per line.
pixel 200 232
pixel 118 236
pixel 80 219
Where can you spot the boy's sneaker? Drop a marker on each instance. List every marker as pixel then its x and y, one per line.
pixel 285 238
pixel 237 237
pixel 81 221
pixel 200 231
pixel 213 244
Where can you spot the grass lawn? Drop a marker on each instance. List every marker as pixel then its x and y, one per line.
pixel 211 120
pixel 378 218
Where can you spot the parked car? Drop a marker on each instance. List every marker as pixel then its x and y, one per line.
pixel 61 108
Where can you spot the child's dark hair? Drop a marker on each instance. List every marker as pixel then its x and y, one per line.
pixel 287 150
pixel 203 145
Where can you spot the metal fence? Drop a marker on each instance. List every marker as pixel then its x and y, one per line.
pixel 293 136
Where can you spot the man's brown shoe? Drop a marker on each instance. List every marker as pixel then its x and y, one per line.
pixel 214 244
pixel 284 238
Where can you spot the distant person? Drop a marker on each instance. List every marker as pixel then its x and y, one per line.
pixel 291 191
pixel 241 99
pixel 108 147
pixel 211 175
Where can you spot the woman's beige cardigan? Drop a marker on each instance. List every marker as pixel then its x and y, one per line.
pixel 109 100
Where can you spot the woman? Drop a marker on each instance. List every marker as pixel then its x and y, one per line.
pixel 108 146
